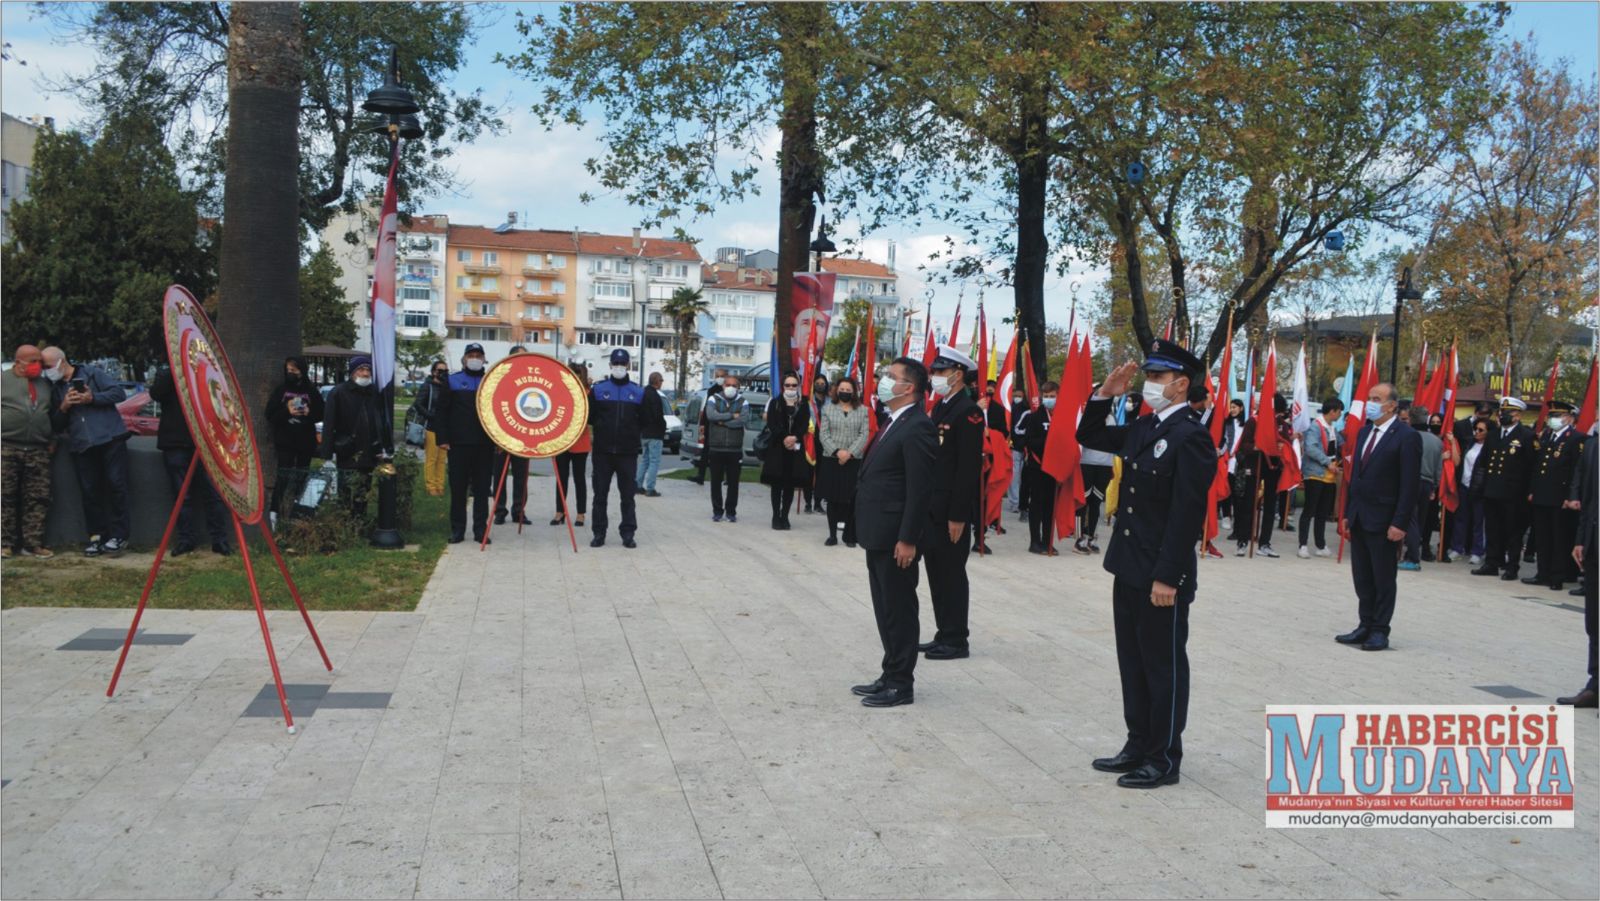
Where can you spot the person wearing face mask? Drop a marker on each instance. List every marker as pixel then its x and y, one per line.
pixel 654 436
pixel 433 465
pixel 1507 471
pixel 1585 551
pixel 84 402
pixel 26 443
pixel 725 411
pixel 953 508
pixel 1038 487
pixel 355 427
pixel 177 452
pixel 617 415
pixel 1231 431
pixel 1426 516
pixel 573 464
pixel 1319 470
pixel 893 489
pixel 1556 455
pixel 460 434
pixel 785 468
pixel 1467 538
pixel 1379 505
pixel 843 437
pixel 1168 463
pixel 293 410
pixel 1016 500
pixel 1097 469
pixel 513 495
pixel 807 492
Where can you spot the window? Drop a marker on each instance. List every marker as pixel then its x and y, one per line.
pixel 534 286
pixel 733 324
pixel 469 308
pixel 415 320
pixel 624 267
pixel 488 283
pixel 490 258
pixel 558 262
pixel 488 309
pixel 533 261
pixel 558 287
pixel 622 290
pixel 463 256
pixel 416 294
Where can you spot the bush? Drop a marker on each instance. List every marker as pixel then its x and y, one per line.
pixel 332 527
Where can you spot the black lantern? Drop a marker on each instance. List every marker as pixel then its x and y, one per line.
pixel 391 99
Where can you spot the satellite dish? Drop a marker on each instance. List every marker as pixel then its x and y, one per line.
pixel 519 283
pixel 1135 173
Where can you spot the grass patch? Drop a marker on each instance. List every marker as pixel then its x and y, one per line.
pixel 358 578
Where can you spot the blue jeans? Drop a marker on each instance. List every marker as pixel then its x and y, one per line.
pixel 649 465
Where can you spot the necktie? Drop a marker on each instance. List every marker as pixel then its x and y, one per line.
pixel 1370 442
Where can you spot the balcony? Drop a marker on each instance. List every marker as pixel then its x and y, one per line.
pixel 555 315
pixel 611 322
pixel 612 303
pixel 525 294
pixel 481 293
pixel 542 270
pixel 481 268
pixel 415 253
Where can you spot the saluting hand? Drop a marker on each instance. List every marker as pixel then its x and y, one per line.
pixel 1117 382
pixel 1162 594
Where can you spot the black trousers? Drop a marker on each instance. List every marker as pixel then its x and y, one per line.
pixel 1095 481
pixel 1503 525
pixel 947 583
pixel 1556 529
pixel 725 468
pixel 573 466
pixel 894 604
pixel 845 512
pixel 1040 490
pixel 782 500
pixel 516 487
pixel 625 467
pixel 1374 564
pixel 1320 498
pixel 1417 532
pixel 1591 601
pixel 1153 660
pixel 471 471
pixel 1270 503
pixel 201 496
pixel 293 470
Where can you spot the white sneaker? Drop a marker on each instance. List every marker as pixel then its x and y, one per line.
pixel 1240 551
pixel 1304 553
pixel 1266 551
pixel 1227 524
pixel 1476 559
pixel 1324 552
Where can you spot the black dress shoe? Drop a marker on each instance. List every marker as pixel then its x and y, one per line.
pixel 181 549
pixel 1488 569
pixel 558 520
pixel 1147 776
pixel 479 539
pixel 629 543
pixel 1557 586
pixel 457 538
pixel 1585 698
pixel 1124 762
pixel 871 688
pixel 831 541
pixel 888 697
pixel 926 646
pixel 947 652
pixel 696 481
pixel 1377 641
pixel 221 549
pixel 849 543
pixel 1576 592
pixel 597 541
pixel 499 519
pixel 1532 580
pixel 1354 636
pixel 1509 575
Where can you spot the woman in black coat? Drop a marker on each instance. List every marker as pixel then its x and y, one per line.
pixel 293 408
pixel 784 466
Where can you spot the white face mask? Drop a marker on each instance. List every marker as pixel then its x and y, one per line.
pixel 1049 403
pixel 54 374
pixel 730 392
pixel 1155 396
pixel 363 380
pixel 619 372
pixel 941 385
pixel 886 388
pixel 791 393
pixel 1556 423
pixel 474 364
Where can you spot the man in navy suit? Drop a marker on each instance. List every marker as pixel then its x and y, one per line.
pixel 1384 480
pixel 1168 464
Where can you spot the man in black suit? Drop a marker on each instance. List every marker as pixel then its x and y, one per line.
pixel 957 474
pixel 892 493
pixel 1168 464
pixel 1507 463
pixel 1385 476
pixel 1586 551
pixel 1556 453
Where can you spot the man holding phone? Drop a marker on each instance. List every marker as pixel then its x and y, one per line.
pixel 84 402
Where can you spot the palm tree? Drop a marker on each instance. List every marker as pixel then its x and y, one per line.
pixel 685 307
pixel 258 315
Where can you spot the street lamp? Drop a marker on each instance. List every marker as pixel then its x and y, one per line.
pixel 1402 293
pixel 822 244
pixel 395 102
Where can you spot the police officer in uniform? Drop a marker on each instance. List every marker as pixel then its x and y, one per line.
pixel 1556 454
pixel 957 474
pixel 1507 459
pixel 1168 464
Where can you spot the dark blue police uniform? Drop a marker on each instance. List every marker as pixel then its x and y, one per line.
pixel 616 413
pixel 1168 464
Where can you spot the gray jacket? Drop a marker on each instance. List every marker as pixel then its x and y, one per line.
pixel 94 423
pixel 841 430
pixel 1432 456
pixel 724 423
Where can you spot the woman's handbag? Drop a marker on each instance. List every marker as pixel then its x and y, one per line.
pixel 762 442
pixel 416 435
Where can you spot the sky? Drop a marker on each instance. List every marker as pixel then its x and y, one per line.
pixel 540 174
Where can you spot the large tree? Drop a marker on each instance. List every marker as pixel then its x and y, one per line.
pixel 173 58
pixel 1517 250
pixel 688 94
pixel 258 316
pixel 107 228
pixel 324 312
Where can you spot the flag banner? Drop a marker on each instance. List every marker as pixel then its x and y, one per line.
pixel 1266 419
pixel 1300 399
pixel 855 350
pixel 1550 386
pixel 1347 385
pixel 1422 371
pixel 807 376
pixel 1355 413
pixel 1062 453
pixel 1591 396
pixel 383 273
pixel 997 473
pixel 811 302
pixel 981 355
pixel 1008 378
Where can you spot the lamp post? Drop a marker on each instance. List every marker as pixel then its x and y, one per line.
pixel 1402 293
pixel 399 107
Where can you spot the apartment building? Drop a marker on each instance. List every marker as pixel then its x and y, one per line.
pixel 622 283
pixel 736 331
pixel 507 286
pixel 17 137
pixel 419 268
pixel 879 284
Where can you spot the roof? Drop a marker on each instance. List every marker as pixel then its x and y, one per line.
pixel 424 225
pixel 620 246
pixel 729 280
pixel 844 266
pixel 1340 327
pixel 544 240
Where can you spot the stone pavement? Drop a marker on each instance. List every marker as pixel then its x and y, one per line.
pixel 675 721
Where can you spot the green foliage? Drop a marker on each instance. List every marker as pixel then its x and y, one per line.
pixel 684 309
pixel 417 354
pixel 107 228
pixel 851 316
pixel 171 58
pixel 324 314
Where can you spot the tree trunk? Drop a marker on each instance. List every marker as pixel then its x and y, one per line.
pixel 1028 271
pixel 258 315
pixel 799 166
pixel 683 360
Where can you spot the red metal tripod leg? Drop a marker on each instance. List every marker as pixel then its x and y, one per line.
pixel 561 492
pixel 261 615
pixel 150 581
pixel 501 486
pixel 294 592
